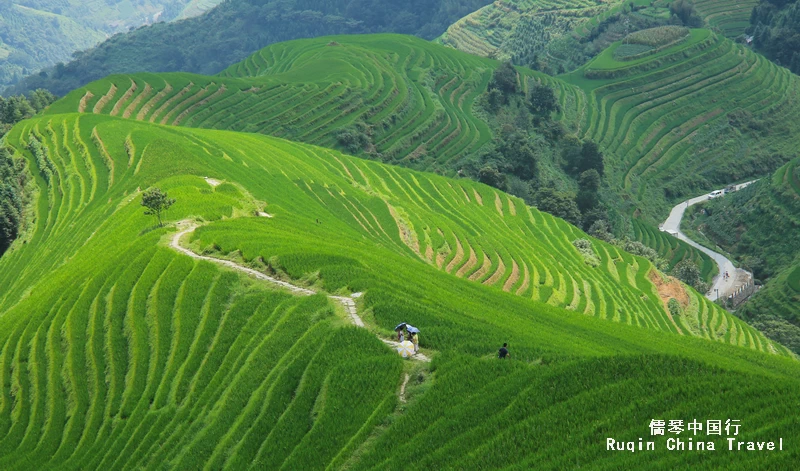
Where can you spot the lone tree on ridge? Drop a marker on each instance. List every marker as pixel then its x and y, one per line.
pixel 156 202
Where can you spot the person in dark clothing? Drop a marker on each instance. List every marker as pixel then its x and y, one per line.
pixel 503 352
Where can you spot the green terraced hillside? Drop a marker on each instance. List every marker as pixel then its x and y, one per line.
pixel 506 29
pixel 413 99
pixel 697 115
pixel 658 117
pixel 118 352
pixel 732 17
pixel 554 29
pixel 307 90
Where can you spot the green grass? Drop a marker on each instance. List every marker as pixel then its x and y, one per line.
pixel 117 352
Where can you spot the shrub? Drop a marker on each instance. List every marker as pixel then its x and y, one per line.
pixel 585 248
pixel 674 307
pixel 353 139
pixel 688 272
pixel 505 79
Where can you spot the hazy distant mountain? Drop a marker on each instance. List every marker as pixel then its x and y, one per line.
pixel 234 29
pixel 40 33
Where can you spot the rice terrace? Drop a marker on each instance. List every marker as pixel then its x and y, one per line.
pixel 435 242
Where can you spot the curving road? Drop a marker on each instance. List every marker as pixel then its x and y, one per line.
pixel 719 286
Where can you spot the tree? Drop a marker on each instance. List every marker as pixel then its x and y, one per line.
pixel 492 177
pixel 601 230
pixel 156 202
pixel 542 101
pixel 558 204
pixel 520 155
pixel 505 79
pixel 570 154
pixel 591 158
pixel 12 180
pixel 41 98
pixel 688 272
pixel 588 187
pixel 494 99
pixel 685 11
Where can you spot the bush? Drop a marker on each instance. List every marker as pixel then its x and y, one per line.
pixel 505 79
pixel 637 248
pixel 492 177
pixel 688 272
pixel 674 307
pixel 585 248
pixel 558 204
pixel 354 139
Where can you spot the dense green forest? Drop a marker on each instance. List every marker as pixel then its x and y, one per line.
pixel 775 28
pixel 13 176
pixel 234 29
pixel 40 33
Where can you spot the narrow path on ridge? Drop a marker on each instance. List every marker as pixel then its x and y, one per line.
pixel 349 304
pixel 719 285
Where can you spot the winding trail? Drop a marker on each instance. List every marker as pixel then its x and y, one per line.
pixel 349 304
pixel 720 287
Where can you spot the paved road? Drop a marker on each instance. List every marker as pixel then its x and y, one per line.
pixel 673 226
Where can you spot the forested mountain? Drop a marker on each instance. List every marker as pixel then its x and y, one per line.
pixel 236 28
pixel 40 33
pixel 775 27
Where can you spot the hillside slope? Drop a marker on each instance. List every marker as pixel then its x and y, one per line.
pixel 559 36
pixel 519 29
pixel 695 115
pixel 413 103
pixel 732 17
pixel 413 99
pixel 120 353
